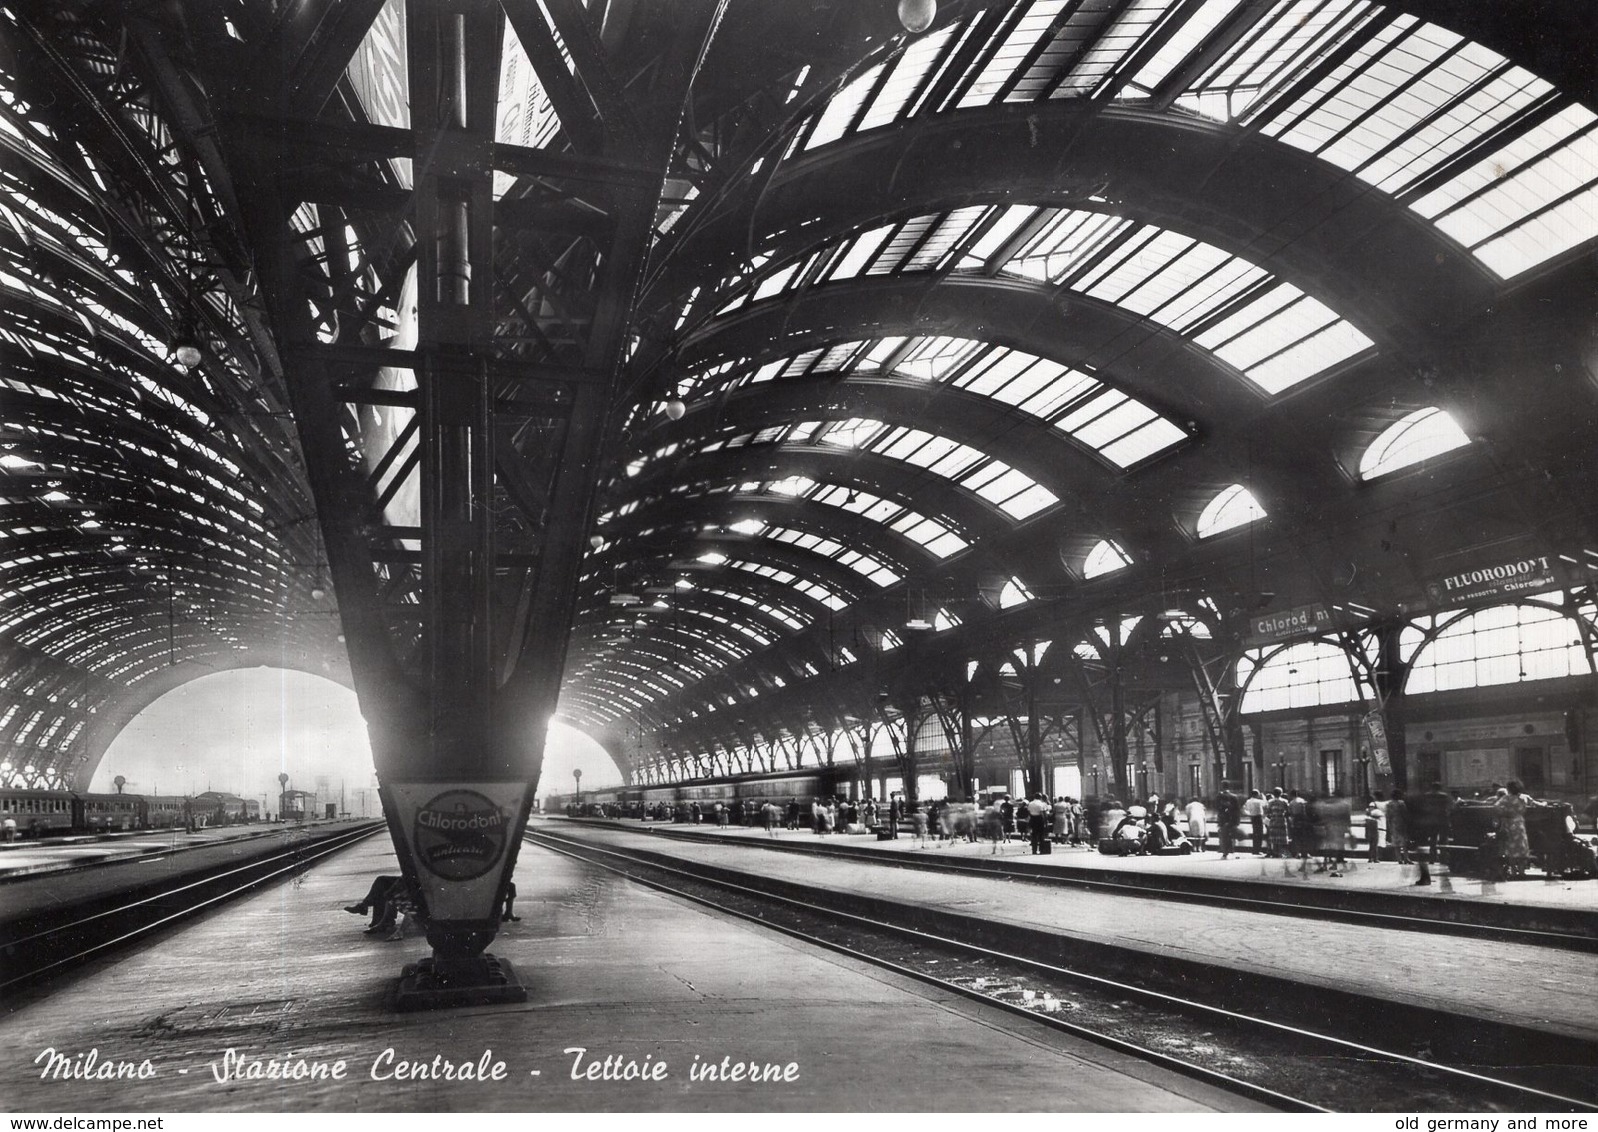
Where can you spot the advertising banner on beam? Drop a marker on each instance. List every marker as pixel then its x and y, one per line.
pixel 1530 574
pixel 1285 624
pixel 1376 739
pixel 459 836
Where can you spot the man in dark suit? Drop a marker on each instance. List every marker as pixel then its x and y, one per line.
pixel 1429 816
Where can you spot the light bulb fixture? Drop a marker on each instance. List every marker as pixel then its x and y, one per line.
pixel 675 409
pixel 317 593
pixel 186 351
pixel 596 541
pixel 916 16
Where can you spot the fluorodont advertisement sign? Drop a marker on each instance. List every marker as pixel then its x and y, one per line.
pixel 1526 575
pixel 458 835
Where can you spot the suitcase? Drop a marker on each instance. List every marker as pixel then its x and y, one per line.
pixel 1048 847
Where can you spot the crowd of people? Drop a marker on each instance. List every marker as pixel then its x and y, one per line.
pixel 1284 823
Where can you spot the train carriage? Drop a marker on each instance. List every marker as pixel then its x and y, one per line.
pixel 37 813
pixel 97 813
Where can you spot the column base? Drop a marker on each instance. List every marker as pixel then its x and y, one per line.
pixel 437 984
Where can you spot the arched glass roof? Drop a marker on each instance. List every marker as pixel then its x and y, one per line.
pixel 958 321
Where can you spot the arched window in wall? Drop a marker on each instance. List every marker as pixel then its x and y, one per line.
pixel 1234 507
pixel 1014 593
pixel 1504 644
pixel 1304 675
pixel 1104 558
pixel 1419 436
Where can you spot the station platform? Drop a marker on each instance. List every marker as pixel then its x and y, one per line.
pixel 613 968
pixel 1540 988
pixel 32 857
pixel 1357 876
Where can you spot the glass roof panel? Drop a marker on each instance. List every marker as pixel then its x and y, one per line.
pixel 1011 53
pixel 1405 99
pixel 1024 381
pixel 839 116
pixel 909 71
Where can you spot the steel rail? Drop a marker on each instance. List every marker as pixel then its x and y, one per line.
pixel 1343 1044
pixel 297 858
pixel 1432 925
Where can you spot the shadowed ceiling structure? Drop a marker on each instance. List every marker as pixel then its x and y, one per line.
pixel 824 364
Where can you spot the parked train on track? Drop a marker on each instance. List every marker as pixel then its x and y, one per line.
pixel 780 787
pixel 42 813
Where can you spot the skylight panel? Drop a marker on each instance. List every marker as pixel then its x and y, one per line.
pixel 1105 558
pixel 1042 387
pixel 870 567
pixel 1112 48
pixel 955 228
pixel 1011 491
pixel 1310 355
pixel 1283 337
pixel 1299 33
pixel 821 594
pixel 932 536
pixel 1153 254
pixel 864 247
pixel 1070 239
pixel 1234 507
pixel 909 72
pixel 1157 272
pixel 1012 53
pixel 799 364
pixel 774 283
pixel 842 108
pixel 1405 103
pixel 1528 202
pixel 907 236
pixel 850 433
pixel 1119 415
pixel 935 453
pixel 1183 42
pixel 793 485
pixel 836 358
pixel 1418 437
pixel 933 358
pixel 1008 221
pixel 1156 436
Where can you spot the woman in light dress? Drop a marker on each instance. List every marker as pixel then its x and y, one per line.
pixel 1513 847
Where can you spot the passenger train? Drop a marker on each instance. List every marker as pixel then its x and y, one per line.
pixel 40 813
pixel 780 787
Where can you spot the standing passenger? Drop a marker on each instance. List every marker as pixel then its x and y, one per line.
pixel 1513 846
pixel 1197 825
pixel 1276 815
pixel 1398 825
pixel 1228 808
pixel 1428 824
pixel 1300 830
pixel 1037 809
pixel 1254 811
pixel 1373 829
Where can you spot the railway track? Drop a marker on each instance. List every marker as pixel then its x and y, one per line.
pixel 1257 1056
pixel 1429 915
pixel 34 952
